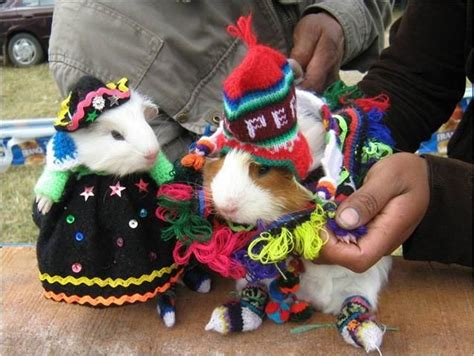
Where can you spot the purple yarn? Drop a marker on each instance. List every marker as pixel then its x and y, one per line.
pixel 339 231
pixel 377 129
pixel 255 270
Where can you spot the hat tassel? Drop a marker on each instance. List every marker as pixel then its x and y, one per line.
pixel 243 30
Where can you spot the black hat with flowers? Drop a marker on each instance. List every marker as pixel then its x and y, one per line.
pixel 87 100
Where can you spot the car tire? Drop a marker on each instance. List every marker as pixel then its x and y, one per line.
pixel 24 50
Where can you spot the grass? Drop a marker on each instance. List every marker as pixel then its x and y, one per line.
pixel 24 93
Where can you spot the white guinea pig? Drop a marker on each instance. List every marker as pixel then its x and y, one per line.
pixel 100 242
pixel 120 142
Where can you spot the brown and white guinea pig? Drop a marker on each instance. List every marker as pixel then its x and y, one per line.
pixel 243 190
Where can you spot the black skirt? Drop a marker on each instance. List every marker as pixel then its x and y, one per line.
pixel 101 244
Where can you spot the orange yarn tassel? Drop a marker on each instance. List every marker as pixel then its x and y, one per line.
pixel 193 160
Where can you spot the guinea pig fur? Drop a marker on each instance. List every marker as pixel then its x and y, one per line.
pixel 243 191
pixel 121 141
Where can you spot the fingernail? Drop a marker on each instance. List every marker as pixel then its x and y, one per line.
pixel 349 218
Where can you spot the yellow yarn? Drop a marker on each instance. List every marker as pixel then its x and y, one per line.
pixel 308 242
pixel 304 239
pixel 120 85
pixel 61 119
pixel 108 282
pixel 275 248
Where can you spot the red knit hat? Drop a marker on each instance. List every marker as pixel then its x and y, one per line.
pixel 260 108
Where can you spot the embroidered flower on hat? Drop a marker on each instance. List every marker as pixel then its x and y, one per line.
pixel 98 102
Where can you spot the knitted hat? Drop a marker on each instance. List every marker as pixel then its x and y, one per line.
pixel 259 109
pixel 87 100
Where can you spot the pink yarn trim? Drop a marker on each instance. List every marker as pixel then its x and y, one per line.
pixel 217 252
pixel 79 115
pixel 176 191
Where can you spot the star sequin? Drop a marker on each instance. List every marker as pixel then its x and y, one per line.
pixel 91 116
pixel 87 193
pixel 113 100
pixel 117 189
pixel 142 186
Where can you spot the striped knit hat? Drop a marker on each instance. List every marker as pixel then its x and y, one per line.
pixel 259 110
pixel 260 107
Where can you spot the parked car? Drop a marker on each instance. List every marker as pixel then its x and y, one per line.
pixel 25 27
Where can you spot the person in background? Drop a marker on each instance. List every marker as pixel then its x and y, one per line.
pixel 178 52
pixel 422 202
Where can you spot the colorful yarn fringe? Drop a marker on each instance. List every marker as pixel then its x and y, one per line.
pixel 356 139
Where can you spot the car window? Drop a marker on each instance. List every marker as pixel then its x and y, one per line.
pixel 46 2
pixel 27 3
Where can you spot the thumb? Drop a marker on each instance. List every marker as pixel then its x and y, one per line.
pixel 365 203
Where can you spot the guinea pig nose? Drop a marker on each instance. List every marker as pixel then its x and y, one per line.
pixel 151 156
pixel 229 209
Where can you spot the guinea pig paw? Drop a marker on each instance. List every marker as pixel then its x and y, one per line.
pixel 205 286
pixel 349 238
pixel 167 314
pixel 44 204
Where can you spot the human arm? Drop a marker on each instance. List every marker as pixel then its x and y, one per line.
pixel 422 71
pixel 411 200
pixel 423 74
pixel 334 33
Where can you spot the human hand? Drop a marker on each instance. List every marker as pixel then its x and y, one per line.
pixel 392 201
pixel 318 47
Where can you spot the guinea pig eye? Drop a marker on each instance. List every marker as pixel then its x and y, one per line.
pixel 117 135
pixel 262 170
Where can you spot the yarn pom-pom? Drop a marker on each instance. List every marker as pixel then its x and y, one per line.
pixel 193 160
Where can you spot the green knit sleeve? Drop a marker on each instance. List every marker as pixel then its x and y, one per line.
pixel 51 184
pixel 161 171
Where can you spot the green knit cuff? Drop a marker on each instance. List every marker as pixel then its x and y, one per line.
pixel 161 171
pixel 52 183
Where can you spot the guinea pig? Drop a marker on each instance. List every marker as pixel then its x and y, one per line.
pixel 100 242
pixel 244 191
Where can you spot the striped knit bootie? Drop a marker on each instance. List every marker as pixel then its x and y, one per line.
pixel 356 323
pixel 244 315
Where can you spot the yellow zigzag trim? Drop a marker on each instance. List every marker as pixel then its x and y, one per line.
pixel 108 281
pixel 87 299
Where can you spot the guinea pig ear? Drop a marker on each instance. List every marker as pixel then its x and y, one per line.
pixel 150 110
pixel 298 72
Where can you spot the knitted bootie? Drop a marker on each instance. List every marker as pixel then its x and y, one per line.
pixel 166 307
pixel 197 279
pixel 283 305
pixel 244 315
pixel 356 323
